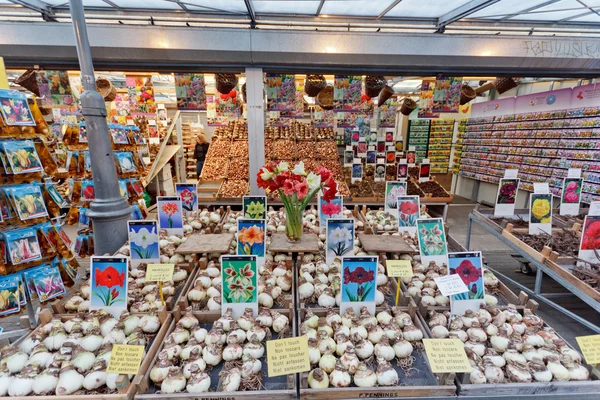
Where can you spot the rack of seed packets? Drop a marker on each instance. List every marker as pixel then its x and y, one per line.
pixel 36 256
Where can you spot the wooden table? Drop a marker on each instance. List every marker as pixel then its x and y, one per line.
pixel 308 243
pixel 206 243
pixel 384 244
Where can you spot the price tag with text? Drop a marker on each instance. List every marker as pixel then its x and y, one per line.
pixel 590 347
pixel 446 355
pixel 541 188
pixel 159 272
pixel 574 173
pixel 399 268
pixel 451 284
pixel 594 208
pixel 125 359
pixel 287 356
pixel 511 173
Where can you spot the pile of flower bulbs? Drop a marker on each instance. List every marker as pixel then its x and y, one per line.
pixel 382 221
pixel 189 351
pixel 507 346
pixel 71 357
pixel 142 296
pixel 321 283
pixel 341 347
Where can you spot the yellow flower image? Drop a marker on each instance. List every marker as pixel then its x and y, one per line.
pixel 540 209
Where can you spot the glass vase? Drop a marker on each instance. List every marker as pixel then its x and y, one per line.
pixel 294 226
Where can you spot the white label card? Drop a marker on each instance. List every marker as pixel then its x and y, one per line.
pixel 594 208
pixel 511 173
pixel 451 284
pixel 574 173
pixel 541 187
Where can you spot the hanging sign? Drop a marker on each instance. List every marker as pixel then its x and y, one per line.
pixel 358 283
pixel 190 91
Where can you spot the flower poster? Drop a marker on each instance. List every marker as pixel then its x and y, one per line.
pixel 358 283
pixel 446 94
pixel 22 156
pixel 281 92
pixel 540 213
pixel 432 241
pixel 323 119
pixel 426 104
pixel 141 95
pixel 571 196
pixel 393 190
pixel 189 197
pixel 14 108
pixel 409 210
pixel 28 201
pixel 48 283
pixel 239 280
pixel 339 240
pixel 251 237
pixel 143 242
pixel 330 209
pixel 108 284
pixel 424 170
pixel 254 207
pixel 190 91
pixel 506 197
pixel 347 91
pixel 170 214
pixel 387 114
pixel 58 88
pixel 469 266
pixel 402 170
pixel 9 295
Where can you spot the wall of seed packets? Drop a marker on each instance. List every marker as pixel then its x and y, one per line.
pixel 36 257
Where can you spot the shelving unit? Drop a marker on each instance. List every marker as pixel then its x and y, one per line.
pixel 440 144
pixel 418 136
pixel 458 146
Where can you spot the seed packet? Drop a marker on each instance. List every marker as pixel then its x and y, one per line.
pixel 125 162
pixel 9 296
pixel 81 245
pixel 28 201
pixel 84 220
pixel 137 187
pixel 87 190
pixel 47 248
pixel 118 134
pixel 48 162
pixel 83 138
pixel 22 156
pixel 72 215
pixel 138 136
pixel 22 246
pixel 87 162
pixel 5 164
pixel 27 277
pixel 123 187
pixel 14 108
pixel 5 206
pixel 71 267
pixel 76 192
pixel 55 195
pixel 50 234
pixel 48 283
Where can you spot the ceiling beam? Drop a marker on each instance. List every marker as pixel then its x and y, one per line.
pixel 110 3
pixel 320 8
pixel 251 13
pixel 461 12
pixel 38 6
pixel 547 3
pixel 387 10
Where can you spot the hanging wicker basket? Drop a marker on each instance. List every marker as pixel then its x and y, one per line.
pixel 244 93
pixel 225 83
pixel 29 81
pixel 407 106
pixel 467 94
pixel 106 89
pixel 504 84
pixel 374 84
pixel 384 95
pixel 314 84
pixel 325 98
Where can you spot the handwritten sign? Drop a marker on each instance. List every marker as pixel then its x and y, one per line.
pixel 446 355
pixel 399 268
pixel 590 347
pixel 287 356
pixel 125 359
pixel 451 284
pixel 159 272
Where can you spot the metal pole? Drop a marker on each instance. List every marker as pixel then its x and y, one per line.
pixel 110 211
pixel 256 125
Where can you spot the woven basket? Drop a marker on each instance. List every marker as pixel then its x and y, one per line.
pixel 244 92
pixel 106 89
pixel 225 82
pixel 385 94
pixel 314 84
pixel 325 98
pixel 374 84
pixel 467 94
pixel 504 84
pixel 29 81
pixel 407 106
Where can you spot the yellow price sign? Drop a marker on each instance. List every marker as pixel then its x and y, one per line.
pixel 287 356
pixel 3 78
pixel 125 359
pixel 446 355
pixel 159 272
pixel 399 268
pixel 590 347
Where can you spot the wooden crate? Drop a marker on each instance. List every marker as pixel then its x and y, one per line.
pixel 145 386
pixel 128 392
pixel 444 386
pixel 563 268
pixel 358 214
pixel 538 256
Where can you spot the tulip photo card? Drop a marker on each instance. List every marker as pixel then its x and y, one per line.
pixel 189 197
pixel 28 201
pixel 251 238
pixel 254 207
pixel 22 245
pixel 22 156
pixel 432 241
pixel 540 213
pixel 143 242
pixel 239 280
pixel 108 284
pixel 571 196
pixel 10 295
pixel 409 210
pixel 469 266
pixel 48 283
pixel 330 209
pixel 393 190
pixel 170 214
pixel 339 240
pixel 506 197
pixel 358 283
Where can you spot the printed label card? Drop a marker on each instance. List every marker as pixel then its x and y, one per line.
pixel 570 198
pixel 143 242
pixel 189 197
pixel 108 284
pixel 393 190
pixel 432 241
pixel 506 197
pixel 379 171
pixel 239 283
pixel 339 240
pixel 469 267
pixel 251 238
pixel 254 207
pixel 330 209
pixel 540 213
pixel 170 214
pixel 590 238
pixel 357 171
pixel 409 210
pixel 358 283
pixel 28 201
pixel 511 173
pixel 402 171
pixel 424 170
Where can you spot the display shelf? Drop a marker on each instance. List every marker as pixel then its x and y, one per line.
pixel 440 145
pixel 418 136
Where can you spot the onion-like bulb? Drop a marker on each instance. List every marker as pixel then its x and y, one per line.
pixel 317 379
pixel 349 360
pixel 365 377
pixel 327 362
pixel 340 377
pixel 386 375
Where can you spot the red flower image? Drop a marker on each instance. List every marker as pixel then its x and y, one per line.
pixel 331 209
pixel 88 193
pixel 468 272
pixel 571 197
pixel 591 235
pixel 186 196
pixel 288 187
pixel 424 170
pixel 358 276
pixel 109 277
pixel 408 208
pixel 170 208
pixel 114 293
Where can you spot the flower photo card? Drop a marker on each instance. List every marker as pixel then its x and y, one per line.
pixel 409 210
pixel 357 171
pixel 348 157
pixel 10 295
pixel 469 266
pixel 48 284
pixel 143 242
pixel 125 162
pixel 506 197
pixel 540 213
pixel 22 156
pixel 379 171
pixel 339 238
pixel 14 108
pixel 28 201
pixel 424 170
pixel 432 241
pixel 402 170
pixel 189 197
pixel 170 214
pixel 393 190
pixel 239 280
pixel 358 283
pixel 330 209
pixel 254 207
pixel 251 238
pixel 108 284
pixel 22 246
pixel 571 196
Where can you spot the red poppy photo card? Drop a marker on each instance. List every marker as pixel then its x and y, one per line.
pixel 108 284
pixel 359 283
pixel 590 239
pixel 469 267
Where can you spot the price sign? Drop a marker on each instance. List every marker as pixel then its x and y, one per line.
pixel 541 187
pixel 159 272
pixel 399 268
pixel 590 347
pixel 574 173
pixel 511 173
pixel 446 355
pixel 288 356
pixel 594 208
pixel 451 284
pixel 125 359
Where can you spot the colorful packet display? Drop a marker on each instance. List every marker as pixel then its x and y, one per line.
pixel 22 245
pixel 22 156
pixel 28 201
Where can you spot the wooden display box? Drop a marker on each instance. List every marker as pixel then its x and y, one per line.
pixel 563 268
pixel 536 255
